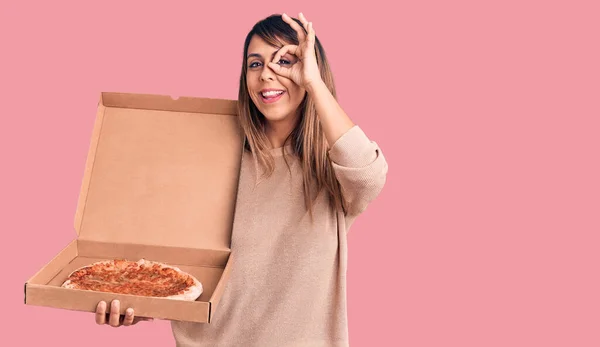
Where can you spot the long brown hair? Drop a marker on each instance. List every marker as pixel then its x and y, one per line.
pixel 307 139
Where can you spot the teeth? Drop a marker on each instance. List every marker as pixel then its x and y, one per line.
pixel 272 93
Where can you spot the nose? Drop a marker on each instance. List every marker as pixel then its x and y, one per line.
pixel 267 74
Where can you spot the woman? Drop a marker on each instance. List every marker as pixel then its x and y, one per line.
pixel 306 174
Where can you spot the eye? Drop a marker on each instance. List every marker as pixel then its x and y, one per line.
pixel 281 62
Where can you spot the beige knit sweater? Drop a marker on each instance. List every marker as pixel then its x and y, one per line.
pixel 288 281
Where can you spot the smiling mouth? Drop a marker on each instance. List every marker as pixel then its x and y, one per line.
pixel 270 97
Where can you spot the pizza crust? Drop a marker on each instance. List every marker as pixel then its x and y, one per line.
pixel 190 294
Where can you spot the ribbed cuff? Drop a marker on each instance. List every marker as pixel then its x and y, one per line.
pixel 353 149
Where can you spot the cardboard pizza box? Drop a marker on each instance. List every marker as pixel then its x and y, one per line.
pixel 160 183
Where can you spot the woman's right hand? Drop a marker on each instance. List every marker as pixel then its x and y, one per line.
pixel 113 318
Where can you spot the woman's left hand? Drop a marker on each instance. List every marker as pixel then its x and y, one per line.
pixel 305 70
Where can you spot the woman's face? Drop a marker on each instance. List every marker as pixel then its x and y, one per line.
pixel 285 96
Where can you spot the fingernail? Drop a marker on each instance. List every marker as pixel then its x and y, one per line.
pixel 129 312
pixel 102 305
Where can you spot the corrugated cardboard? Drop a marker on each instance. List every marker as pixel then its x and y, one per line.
pixel 160 183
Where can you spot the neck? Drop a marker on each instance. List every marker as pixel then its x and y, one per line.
pixel 277 132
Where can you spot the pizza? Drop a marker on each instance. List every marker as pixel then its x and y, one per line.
pixel 143 278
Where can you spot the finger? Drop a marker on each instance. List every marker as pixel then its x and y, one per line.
pixel 101 313
pixel 292 49
pixel 280 70
pixel 304 21
pixel 295 26
pixel 113 321
pixel 311 33
pixel 128 317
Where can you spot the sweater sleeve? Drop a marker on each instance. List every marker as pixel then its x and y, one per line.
pixel 360 167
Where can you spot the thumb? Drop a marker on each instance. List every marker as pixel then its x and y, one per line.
pixel 280 70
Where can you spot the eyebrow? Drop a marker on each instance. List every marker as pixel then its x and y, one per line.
pixel 260 56
pixel 253 55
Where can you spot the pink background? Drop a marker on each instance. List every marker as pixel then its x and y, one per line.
pixel 487 231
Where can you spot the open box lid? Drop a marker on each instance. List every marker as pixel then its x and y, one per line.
pixel 161 171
